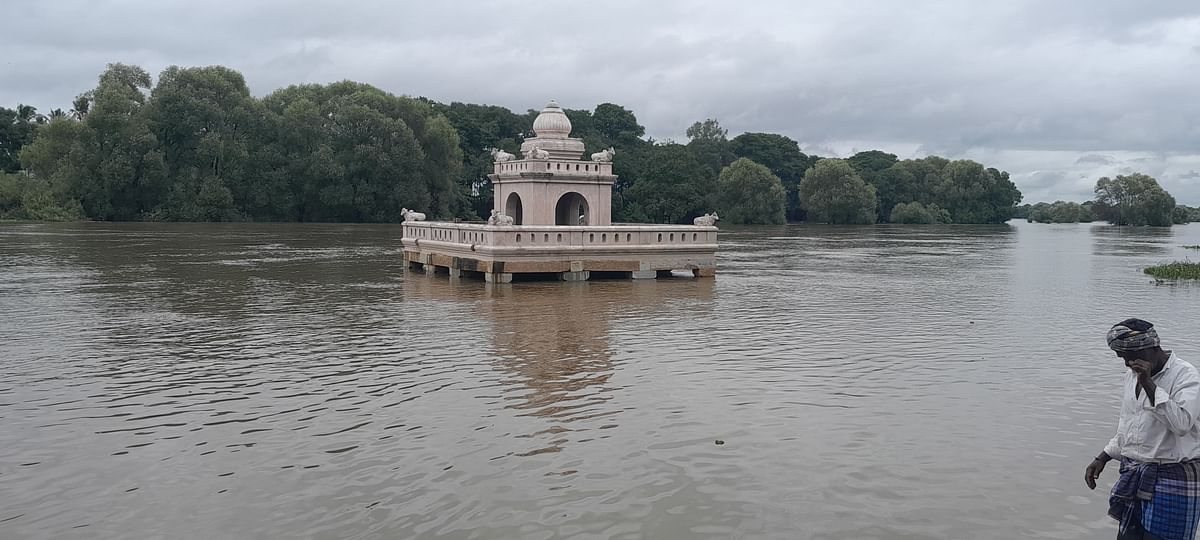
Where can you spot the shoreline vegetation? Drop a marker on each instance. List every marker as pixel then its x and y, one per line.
pixel 1174 270
pixel 1136 199
pixel 196 146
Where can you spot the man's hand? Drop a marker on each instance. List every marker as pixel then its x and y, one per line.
pixel 1142 369
pixel 1093 472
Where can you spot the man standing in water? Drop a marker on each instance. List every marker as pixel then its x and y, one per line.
pixel 1157 496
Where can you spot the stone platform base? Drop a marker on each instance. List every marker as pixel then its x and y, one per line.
pixel 499 272
pixel 498 253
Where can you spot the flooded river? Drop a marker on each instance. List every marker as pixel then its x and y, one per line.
pixel 293 381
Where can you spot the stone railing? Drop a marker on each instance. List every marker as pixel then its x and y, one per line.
pixel 556 166
pixel 483 237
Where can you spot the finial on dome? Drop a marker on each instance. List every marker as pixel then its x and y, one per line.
pixel 552 123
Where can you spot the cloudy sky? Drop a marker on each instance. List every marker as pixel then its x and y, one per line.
pixel 1057 93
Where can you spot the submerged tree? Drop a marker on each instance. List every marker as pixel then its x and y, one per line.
pixel 1060 212
pixel 1135 199
pixel 783 156
pixel 198 146
pixel 749 193
pixel 671 187
pixel 917 213
pixel 832 192
pixel 708 142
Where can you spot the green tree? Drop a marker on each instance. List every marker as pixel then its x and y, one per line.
pixel 870 162
pixel 832 192
pixel 208 125
pixel 708 143
pixel 443 166
pixel 81 105
pixel 749 193
pixel 911 180
pixel 1059 212
pixel 1135 199
pixel 873 167
pixel 16 131
pixel 616 125
pixel 10 196
pixel 973 194
pixel 480 128
pixel 27 113
pixel 109 163
pixel 783 156
pixel 1193 213
pixel 917 213
pixel 897 185
pixel 27 197
pixel 356 153
pixel 671 187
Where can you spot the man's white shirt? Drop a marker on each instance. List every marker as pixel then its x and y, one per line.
pixel 1167 431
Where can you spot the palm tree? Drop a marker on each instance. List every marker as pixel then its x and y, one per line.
pixel 57 113
pixel 26 113
pixel 79 107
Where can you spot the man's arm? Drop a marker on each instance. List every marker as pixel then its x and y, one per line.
pixel 1178 409
pixel 1111 451
pixel 1095 468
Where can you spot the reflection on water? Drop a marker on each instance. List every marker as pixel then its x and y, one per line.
pixel 239 381
pixel 1132 241
pixel 551 340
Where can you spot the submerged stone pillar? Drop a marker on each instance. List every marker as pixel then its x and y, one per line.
pixel 708 271
pixel 455 273
pixel 497 277
pixel 576 276
pixel 643 274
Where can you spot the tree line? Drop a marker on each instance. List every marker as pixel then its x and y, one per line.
pixel 197 146
pixel 1134 199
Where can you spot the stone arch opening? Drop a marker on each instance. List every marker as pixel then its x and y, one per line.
pixel 512 208
pixel 572 209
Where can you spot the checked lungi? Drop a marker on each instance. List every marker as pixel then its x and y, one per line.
pixel 1157 501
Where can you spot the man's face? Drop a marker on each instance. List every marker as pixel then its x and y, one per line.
pixel 1136 359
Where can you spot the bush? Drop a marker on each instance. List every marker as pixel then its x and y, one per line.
pixel 1175 270
pixel 30 198
pixel 911 213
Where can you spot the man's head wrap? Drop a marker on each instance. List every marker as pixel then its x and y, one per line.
pixel 1132 335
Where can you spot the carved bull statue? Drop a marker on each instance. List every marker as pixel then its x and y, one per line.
pixel 537 153
pixel 707 220
pixel 604 156
pixel 499 219
pixel 500 156
pixel 410 215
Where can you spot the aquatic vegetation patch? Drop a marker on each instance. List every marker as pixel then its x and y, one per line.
pixel 1175 270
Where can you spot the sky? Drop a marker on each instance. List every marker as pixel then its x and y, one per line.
pixel 1056 93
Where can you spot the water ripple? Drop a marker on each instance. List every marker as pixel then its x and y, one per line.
pixel 292 380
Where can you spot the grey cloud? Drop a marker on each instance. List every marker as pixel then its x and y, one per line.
pixel 961 79
pixel 1099 159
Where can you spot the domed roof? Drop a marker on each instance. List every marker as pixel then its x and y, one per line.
pixel 552 123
